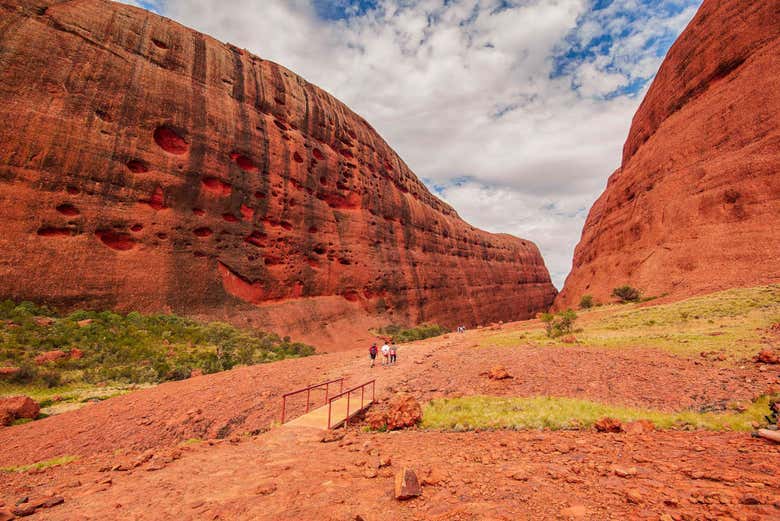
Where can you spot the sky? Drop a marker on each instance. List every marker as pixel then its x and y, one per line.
pixel 513 111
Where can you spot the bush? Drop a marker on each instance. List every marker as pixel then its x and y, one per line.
pixel 626 294
pixel 559 324
pixel 403 335
pixel 586 302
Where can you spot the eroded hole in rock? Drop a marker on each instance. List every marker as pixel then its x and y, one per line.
pixel 313 229
pixel 171 141
pixel 297 157
pixel 259 195
pixel 271 260
pixel 137 227
pixel 203 231
pixel 257 239
pixel 285 225
pixel 346 153
pixel 229 217
pixel 351 295
pixel 162 235
pixel 243 162
pixel 68 209
pixel 199 212
pixel 137 166
pixel 199 254
pixel 116 240
pixel 323 180
pixel 247 213
pixel 279 100
pixel 159 43
pixel 731 196
pixel 320 249
pixel 50 231
pixel 317 153
pixel 103 115
pixel 217 186
pixel 279 124
pixel 72 190
pixel 156 199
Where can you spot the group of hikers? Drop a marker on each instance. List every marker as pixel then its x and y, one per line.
pixel 389 353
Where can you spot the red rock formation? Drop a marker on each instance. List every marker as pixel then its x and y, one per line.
pixel 695 205
pixel 145 166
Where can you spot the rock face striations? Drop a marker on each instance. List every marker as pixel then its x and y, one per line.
pixel 145 166
pixel 695 206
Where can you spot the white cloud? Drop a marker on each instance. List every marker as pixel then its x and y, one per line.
pixel 470 89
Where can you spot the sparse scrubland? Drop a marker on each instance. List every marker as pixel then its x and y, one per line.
pixel 728 323
pixel 403 334
pixel 114 351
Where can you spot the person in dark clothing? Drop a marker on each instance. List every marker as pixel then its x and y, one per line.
pixel 372 351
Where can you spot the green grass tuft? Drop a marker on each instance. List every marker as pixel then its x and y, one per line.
pixel 54 462
pixel 403 335
pixel 545 412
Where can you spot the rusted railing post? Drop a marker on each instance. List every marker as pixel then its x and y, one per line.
pixel 346 420
pixel 308 399
pixel 284 404
pixel 362 392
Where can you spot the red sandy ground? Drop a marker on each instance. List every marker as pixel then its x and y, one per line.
pixel 284 474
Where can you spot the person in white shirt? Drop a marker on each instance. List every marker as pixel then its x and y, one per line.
pixel 385 354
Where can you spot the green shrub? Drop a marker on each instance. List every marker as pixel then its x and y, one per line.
pixel 132 348
pixel 627 294
pixel 559 324
pixel 403 335
pixel 586 302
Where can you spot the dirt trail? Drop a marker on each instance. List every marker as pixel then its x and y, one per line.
pixel 247 400
pixel 289 474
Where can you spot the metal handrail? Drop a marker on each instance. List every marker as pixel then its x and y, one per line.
pixel 349 392
pixel 308 391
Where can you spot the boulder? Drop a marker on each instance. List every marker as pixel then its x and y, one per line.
pixel 767 356
pixel 6 418
pixel 76 354
pixel 403 411
pixel 499 372
pixel 85 322
pixel 20 407
pixel 8 372
pixel 50 356
pixel 639 427
pixel 407 486
pixel 608 424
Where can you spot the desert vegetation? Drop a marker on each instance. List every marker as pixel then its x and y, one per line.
pixel 627 293
pixel 728 324
pixel 559 324
pixel 556 413
pixel 402 334
pixel 83 348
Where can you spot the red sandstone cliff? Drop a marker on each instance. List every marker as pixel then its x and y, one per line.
pixel 695 206
pixel 146 166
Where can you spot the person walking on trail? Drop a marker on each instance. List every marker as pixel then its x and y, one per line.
pixel 393 352
pixel 372 353
pixel 385 354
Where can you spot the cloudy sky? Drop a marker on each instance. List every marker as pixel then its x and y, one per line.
pixel 513 111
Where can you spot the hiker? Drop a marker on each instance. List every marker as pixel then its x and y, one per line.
pixel 372 353
pixel 393 352
pixel 385 354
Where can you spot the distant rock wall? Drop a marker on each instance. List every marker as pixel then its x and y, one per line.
pixel 695 206
pixel 145 166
